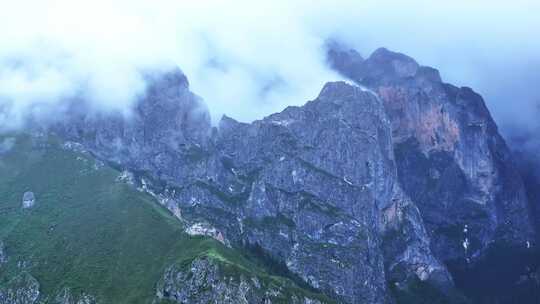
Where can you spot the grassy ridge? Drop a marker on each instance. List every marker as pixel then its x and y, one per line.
pixel 87 231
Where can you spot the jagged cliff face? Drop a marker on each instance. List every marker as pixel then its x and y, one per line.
pixel 451 159
pixel 324 193
pixel 315 188
pixel 367 186
pixel 163 134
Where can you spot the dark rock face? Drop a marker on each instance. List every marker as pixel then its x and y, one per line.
pixel 325 191
pixel 525 150
pixel 451 161
pixel 323 213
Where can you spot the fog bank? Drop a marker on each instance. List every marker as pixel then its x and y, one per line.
pixel 248 59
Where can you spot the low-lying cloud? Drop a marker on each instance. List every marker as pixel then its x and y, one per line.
pixel 248 59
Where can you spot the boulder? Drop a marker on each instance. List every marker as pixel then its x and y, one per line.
pixel 28 200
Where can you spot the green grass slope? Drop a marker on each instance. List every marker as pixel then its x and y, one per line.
pixel 88 232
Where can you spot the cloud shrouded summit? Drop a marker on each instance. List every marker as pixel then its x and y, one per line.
pixel 248 59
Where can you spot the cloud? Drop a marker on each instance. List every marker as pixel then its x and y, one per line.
pixel 248 59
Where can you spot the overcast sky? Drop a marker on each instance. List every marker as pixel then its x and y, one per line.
pixel 251 58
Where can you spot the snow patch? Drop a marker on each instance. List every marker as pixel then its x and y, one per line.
pixel 466 244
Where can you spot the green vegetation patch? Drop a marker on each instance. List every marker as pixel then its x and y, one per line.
pixel 86 231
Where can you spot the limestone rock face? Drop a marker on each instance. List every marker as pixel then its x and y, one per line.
pixel 23 289
pixel 28 200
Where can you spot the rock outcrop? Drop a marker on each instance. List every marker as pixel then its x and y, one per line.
pixel 28 200
pixel 66 297
pixel 451 161
pixel 23 289
pixel 206 280
pixel 3 254
pixel 165 133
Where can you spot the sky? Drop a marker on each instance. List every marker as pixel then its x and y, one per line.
pixel 248 59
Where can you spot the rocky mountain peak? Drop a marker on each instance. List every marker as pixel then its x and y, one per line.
pixel 343 58
pixel 387 64
pixel 383 56
pixel 428 74
pixel 451 161
pixel 169 120
pixel 172 78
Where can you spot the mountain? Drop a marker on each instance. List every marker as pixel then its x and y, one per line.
pixel 458 170
pixel 393 187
